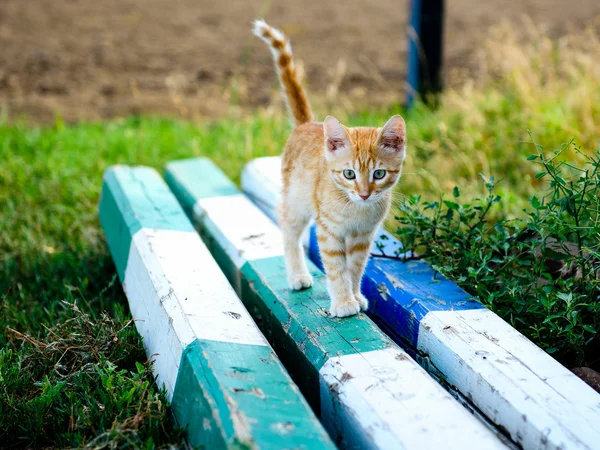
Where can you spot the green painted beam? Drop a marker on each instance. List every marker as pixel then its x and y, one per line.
pixel 224 382
pixel 369 393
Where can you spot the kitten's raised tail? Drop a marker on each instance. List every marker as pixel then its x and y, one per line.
pixel 295 95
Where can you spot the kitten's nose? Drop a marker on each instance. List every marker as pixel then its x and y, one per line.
pixel 366 196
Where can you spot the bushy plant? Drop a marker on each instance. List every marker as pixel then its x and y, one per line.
pixel 540 272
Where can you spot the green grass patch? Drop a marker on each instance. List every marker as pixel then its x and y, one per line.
pixel 72 368
pixel 64 319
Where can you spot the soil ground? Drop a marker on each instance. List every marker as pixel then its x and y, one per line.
pixel 90 59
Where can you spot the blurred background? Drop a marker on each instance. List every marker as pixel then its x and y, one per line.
pixel 86 59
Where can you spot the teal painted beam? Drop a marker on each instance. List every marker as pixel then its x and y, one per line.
pixel 368 391
pixel 123 215
pixel 224 382
pixel 517 385
pixel 268 408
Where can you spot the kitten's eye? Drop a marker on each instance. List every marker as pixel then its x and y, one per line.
pixel 379 174
pixel 349 174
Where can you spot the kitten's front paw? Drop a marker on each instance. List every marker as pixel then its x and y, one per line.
pixel 345 309
pixel 362 301
pixel 300 281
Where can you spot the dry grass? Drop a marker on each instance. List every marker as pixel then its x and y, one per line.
pixel 525 81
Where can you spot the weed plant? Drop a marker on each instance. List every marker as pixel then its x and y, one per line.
pixel 540 272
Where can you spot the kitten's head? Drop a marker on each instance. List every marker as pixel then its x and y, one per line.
pixel 365 163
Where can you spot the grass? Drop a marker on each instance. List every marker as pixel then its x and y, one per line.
pixel 72 369
pixel 58 279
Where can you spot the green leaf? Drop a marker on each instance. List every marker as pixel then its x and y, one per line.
pixel 140 367
pixel 451 205
pixel 129 395
pixel 567 297
pixel 541 174
pixel 589 329
pixel 552 317
pixel 532 157
pixel 456 192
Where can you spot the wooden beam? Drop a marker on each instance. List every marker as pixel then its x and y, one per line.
pixel 370 393
pixel 223 380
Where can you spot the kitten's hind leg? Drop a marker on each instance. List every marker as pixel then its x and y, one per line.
pixel 293 223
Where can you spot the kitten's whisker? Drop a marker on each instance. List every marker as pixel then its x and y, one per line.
pixel 399 196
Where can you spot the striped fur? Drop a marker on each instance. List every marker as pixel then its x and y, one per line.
pixel 348 210
pixel 281 49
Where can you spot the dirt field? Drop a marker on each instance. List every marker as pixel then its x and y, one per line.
pixel 92 59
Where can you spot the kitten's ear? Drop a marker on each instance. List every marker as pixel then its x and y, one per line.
pixel 392 137
pixel 336 138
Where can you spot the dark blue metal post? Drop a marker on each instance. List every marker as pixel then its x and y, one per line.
pixel 425 36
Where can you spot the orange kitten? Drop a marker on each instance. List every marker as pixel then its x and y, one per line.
pixel 341 176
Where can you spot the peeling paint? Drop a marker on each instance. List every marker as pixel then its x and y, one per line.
pixel 345 377
pixel 283 427
pixel 240 423
pixel 232 314
pixel 383 290
pixel 252 236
